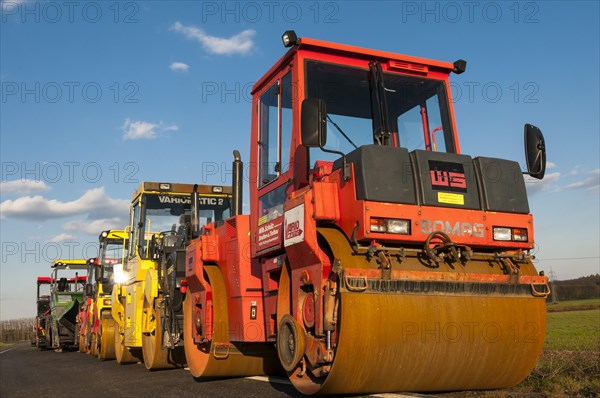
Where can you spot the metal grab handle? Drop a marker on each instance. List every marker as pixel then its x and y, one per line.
pixel 432 253
pixel 536 293
pixel 356 288
pixel 221 351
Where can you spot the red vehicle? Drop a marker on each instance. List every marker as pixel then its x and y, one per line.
pixel 376 256
pixel 96 334
pixel 41 330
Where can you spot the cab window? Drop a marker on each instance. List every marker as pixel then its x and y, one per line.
pixel 135 216
pixel 275 130
pixel 268 141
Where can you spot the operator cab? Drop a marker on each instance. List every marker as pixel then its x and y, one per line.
pixel 381 120
pixel 112 253
pixel 67 275
pixel 43 294
pixel 166 209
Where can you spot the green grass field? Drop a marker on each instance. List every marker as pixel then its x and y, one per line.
pixel 574 304
pixel 573 330
pixel 570 363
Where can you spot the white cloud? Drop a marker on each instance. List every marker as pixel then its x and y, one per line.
pixel 22 187
pixel 61 238
pixel 179 67
pixel 238 44
pixel 547 184
pixel 576 170
pixel 138 129
pixel 550 165
pixel 97 226
pixel 591 184
pixel 171 127
pixel 94 202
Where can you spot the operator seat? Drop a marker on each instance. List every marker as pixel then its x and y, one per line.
pixel 63 285
pixel 184 223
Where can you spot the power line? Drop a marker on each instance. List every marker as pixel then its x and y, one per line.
pixel 568 258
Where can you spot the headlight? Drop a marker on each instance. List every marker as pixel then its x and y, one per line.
pixel 398 226
pixel 510 234
pixel 106 301
pixel 119 275
pixel 502 233
pixel 289 38
pixel 390 226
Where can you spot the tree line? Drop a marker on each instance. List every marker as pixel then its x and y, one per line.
pixel 586 287
pixel 16 329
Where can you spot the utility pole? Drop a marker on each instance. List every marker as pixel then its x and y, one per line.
pixel 553 292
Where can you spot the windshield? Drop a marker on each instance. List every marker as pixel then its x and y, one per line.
pixel 417 109
pixel 68 280
pixel 168 212
pixel 44 291
pixel 111 254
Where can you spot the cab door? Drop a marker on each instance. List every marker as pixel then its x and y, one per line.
pixel 273 122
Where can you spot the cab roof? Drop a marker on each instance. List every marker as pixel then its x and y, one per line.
pixel 395 60
pixel 114 234
pixel 70 264
pixel 180 189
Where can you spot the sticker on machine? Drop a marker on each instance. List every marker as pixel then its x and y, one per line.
pixel 451 198
pixel 293 226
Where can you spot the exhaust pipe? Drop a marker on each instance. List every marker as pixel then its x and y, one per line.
pixel 195 219
pixel 236 184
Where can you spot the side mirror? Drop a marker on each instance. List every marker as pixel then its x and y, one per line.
pixel 99 273
pixel 89 290
pixel 313 123
pixel 535 151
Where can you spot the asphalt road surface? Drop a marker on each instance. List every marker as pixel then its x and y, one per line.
pixel 28 372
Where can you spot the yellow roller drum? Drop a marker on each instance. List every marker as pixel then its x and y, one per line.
pixel 82 344
pixel 93 351
pixel 220 357
pixel 155 356
pixel 106 340
pixel 434 343
pixel 124 354
pixel 449 330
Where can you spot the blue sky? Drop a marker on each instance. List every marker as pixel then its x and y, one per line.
pixel 99 96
